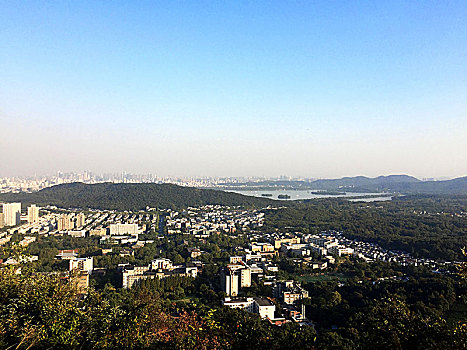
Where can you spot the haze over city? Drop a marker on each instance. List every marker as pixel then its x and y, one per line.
pixel 321 89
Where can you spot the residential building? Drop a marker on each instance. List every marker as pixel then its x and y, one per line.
pixel 246 304
pixel 124 229
pixel 27 241
pixel 65 222
pixel 75 233
pixel 230 281
pixel 82 264
pixel 161 263
pixel 98 232
pixel 33 214
pixel 235 259
pixel 134 274
pixel 278 242
pixel 12 213
pixel 194 252
pixel 289 291
pixel 80 220
pixel 82 280
pixel 340 250
pixel 245 277
pixel 67 254
pixel 191 270
pixel 264 307
pixel 261 247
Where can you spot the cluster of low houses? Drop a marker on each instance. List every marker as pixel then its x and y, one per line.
pixel 209 219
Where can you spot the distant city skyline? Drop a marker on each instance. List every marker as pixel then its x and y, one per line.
pixel 232 89
pixel 89 175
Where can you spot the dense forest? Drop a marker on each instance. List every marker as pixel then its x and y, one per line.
pixel 130 196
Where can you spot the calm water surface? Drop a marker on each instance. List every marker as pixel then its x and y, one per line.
pixel 306 194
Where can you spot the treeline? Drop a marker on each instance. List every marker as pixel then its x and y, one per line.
pixel 42 312
pixel 131 196
pixel 45 312
pixel 424 226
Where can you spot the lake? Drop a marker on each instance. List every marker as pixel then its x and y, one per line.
pixel 307 194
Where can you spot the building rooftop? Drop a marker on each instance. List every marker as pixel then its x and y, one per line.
pixel 263 302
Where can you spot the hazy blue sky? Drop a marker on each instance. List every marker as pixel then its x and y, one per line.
pixel 312 88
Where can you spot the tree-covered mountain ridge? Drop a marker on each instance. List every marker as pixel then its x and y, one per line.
pixel 120 196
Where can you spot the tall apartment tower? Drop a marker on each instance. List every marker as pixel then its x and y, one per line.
pixel 80 218
pixel 12 213
pixel 65 223
pixel 33 214
pixel 229 282
pixel 2 220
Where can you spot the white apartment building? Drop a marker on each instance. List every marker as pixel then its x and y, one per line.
pixel 244 273
pixel 12 213
pixel 80 220
pixel 82 264
pixel 264 307
pixel 77 233
pixel 230 282
pixel 124 229
pixel 33 214
pixel 246 304
pixel 340 250
pixel 164 264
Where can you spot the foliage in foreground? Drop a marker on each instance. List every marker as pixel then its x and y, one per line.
pixel 44 311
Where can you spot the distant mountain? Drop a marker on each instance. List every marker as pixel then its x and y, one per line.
pixel 392 183
pixel 454 186
pixel 365 184
pixel 131 196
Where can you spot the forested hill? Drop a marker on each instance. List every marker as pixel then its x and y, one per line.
pixel 454 186
pixel 366 183
pixel 130 196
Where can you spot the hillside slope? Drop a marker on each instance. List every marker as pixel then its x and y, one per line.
pixel 130 196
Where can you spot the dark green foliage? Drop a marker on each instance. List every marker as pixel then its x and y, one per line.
pixel 392 325
pixel 424 226
pixel 130 196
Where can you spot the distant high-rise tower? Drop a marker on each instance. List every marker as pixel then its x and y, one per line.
pixel 2 220
pixel 33 214
pixel 12 212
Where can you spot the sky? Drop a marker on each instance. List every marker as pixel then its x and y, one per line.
pixel 234 88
